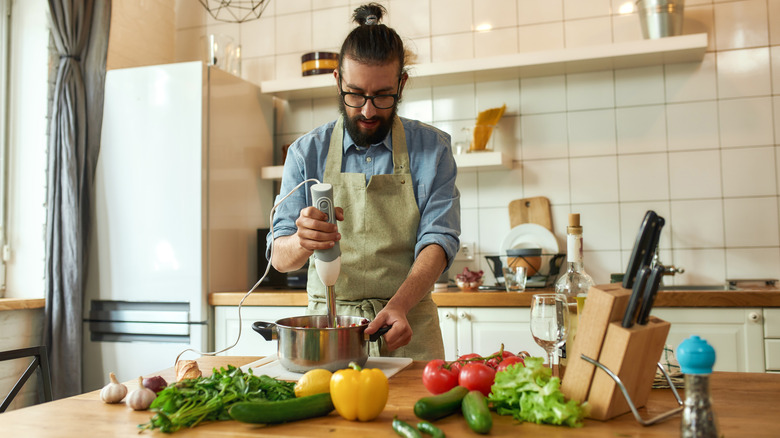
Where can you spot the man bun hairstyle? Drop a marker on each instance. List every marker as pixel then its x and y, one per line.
pixel 372 42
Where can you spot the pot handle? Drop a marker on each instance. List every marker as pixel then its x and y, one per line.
pixel 266 329
pixel 375 336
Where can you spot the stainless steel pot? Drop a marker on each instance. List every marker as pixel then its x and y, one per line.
pixel 306 342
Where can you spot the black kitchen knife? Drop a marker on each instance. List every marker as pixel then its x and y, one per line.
pixel 651 289
pixel 641 248
pixel 636 294
pixel 652 245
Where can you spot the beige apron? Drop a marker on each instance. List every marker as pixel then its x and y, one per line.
pixel 378 236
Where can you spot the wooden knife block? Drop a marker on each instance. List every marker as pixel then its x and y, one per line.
pixel 630 353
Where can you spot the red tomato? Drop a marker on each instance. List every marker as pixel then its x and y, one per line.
pixel 511 360
pixel 477 377
pixel 494 362
pixel 466 358
pixel 438 379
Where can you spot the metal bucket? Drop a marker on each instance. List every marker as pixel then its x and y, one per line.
pixel 660 18
pixel 306 342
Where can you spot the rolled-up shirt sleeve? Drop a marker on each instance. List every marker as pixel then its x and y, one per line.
pixel 438 199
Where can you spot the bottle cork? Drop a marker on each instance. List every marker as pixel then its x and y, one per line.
pixel 574 224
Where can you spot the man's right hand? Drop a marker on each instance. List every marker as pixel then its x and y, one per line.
pixel 313 230
pixel 291 252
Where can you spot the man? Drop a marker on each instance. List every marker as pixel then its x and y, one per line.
pixel 398 209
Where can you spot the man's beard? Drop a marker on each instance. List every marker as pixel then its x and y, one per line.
pixel 365 139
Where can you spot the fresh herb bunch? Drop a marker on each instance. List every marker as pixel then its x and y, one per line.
pixel 189 402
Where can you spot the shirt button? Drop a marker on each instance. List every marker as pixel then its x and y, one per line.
pixel 368 159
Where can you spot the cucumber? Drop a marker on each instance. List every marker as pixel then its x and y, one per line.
pixel 430 429
pixel 476 412
pixel 405 429
pixel 439 406
pixel 293 409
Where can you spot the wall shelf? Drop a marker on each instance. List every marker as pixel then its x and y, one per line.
pixel 640 53
pixel 488 160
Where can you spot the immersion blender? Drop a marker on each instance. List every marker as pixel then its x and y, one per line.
pixel 328 261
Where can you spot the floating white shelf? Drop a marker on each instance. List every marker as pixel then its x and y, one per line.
pixel 488 160
pixel 670 50
pixel 271 172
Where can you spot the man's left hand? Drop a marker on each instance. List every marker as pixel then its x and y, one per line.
pixel 401 332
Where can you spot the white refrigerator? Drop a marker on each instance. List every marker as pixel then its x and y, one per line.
pixel 178 201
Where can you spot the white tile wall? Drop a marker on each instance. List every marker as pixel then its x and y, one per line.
pixel 696 142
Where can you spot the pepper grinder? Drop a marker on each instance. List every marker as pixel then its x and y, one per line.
pixel 696 359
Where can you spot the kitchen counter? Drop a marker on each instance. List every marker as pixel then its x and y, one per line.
pixel 754 297
pixel 744 405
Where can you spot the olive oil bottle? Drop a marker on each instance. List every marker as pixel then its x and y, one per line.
pixel 574 283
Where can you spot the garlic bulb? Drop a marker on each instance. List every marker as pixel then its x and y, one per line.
pixel 140 399
pixel 114 391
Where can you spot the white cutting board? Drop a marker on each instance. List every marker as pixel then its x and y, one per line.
pixel 271 366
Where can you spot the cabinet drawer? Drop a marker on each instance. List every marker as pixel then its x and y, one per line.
pixel 772 351
pixel 772 323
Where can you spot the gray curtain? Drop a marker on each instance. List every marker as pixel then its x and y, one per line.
pixel 80 34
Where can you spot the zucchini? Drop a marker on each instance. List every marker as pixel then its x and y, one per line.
pixel 433 407
pixel 293 409
pixel 476 412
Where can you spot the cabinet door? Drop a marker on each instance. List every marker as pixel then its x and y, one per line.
pixel 482 330
pixel 448 324
pixel 736 334
pixel 226 327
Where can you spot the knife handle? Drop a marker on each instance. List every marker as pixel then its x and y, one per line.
pixel 641 247
pixel 651 289
pixel 652 245
pixel 633 301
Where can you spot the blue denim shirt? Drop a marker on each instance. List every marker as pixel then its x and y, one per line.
pixel 433 173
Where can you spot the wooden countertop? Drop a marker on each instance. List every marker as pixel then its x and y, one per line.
pixel 456 298
pixel 744 403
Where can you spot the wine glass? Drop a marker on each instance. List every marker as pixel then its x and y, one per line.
pixel 549 322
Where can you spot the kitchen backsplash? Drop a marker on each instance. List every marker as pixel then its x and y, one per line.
pixel 696 142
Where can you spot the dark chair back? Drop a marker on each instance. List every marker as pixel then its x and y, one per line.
pixel 40 359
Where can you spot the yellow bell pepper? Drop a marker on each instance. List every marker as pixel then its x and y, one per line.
pixel 359 393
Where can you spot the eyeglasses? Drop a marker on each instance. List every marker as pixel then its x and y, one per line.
pixel 382 101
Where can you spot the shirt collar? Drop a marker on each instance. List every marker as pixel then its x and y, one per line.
pixel 348 143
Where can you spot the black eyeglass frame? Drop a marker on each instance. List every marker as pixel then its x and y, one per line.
pixel 366 98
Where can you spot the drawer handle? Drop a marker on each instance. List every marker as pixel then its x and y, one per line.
pixel 464 315
pixel 448 315
pixel 754 316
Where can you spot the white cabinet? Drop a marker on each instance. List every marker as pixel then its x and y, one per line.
pixel 226 327
pixel 482 330
pixel 772 339
pixel 736 334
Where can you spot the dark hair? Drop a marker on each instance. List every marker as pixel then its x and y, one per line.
pixel 371 42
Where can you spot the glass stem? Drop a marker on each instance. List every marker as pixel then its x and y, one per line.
pixel 551 355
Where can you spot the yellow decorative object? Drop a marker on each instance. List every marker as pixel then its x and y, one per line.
pixel 359 393
pixel 315 381
pixel 486 121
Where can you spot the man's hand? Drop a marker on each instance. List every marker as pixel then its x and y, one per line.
pixel 313 230
pixel 291 252
pixel 400 334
